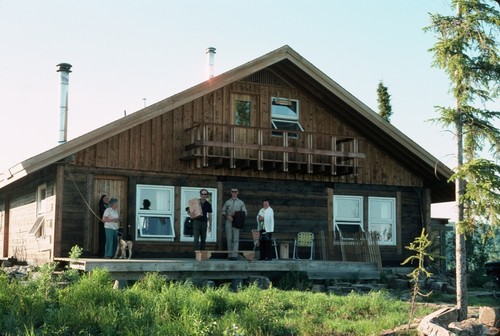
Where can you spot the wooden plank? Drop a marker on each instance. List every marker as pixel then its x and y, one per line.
pixel 166 155
pixel 135 148
pixel 113 152
pixel 124 149
pixel 224 269
pixel 101 153
pixel 204 255
pixel 145 145
pixel 156 143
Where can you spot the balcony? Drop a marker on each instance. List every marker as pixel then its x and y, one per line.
pixel 232 146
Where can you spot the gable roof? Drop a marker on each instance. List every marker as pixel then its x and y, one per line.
pixel 292 67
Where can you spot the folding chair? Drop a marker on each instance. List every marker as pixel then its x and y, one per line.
pixel 304 239
pixel 256 236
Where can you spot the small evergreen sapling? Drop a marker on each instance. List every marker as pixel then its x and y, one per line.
pixel 419 246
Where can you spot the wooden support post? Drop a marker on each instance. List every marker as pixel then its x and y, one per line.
pixel 309 159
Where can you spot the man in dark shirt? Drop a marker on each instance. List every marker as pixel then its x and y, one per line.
pixel 201 224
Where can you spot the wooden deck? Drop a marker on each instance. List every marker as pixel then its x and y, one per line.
pixel 134 269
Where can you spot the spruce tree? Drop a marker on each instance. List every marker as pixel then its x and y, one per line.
pixel 384 101
pixel 467 50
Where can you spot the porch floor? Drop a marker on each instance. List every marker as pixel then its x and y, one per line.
pixel 177 269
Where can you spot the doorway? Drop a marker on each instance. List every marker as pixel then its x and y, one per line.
pixel 114 187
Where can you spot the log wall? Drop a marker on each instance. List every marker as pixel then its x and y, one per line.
pixel 22 214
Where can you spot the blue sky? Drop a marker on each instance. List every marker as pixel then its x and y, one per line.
pixel 123 51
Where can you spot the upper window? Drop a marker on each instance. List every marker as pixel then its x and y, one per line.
pixel 382 219
pixel 242 113
pixel 283 108
pixel 155 212
pixel 285 116
pixel 348 214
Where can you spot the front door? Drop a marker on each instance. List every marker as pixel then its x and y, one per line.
pixel 114 187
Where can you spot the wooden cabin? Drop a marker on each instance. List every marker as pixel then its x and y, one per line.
pixel 275 127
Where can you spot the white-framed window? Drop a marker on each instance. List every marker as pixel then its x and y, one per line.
pixel 38 228
pixel 348 214
pixel 285 117
pixel 155 212
pixel 382 219
pixel 189 193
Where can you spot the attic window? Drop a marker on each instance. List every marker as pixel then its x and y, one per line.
pixel 285 117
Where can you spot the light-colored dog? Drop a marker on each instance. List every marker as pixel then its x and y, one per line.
pixel 124 243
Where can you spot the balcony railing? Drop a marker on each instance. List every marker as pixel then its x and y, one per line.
pixel 222 145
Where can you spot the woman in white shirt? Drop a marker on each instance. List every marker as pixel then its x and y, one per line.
pixel 265 223
pixel 111 222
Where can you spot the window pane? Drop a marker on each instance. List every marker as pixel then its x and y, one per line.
pixel 348 208
pixel 42 200
pixel 287 109
pixel 384 232
pixel 243 109
pixel 158 199
pixel 155 226
pixel 380 209
pixel 382 219
pixel 286 125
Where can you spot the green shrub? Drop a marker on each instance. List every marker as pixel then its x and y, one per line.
pixel 158 306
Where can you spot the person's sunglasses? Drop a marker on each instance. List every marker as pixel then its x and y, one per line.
pixel 203 194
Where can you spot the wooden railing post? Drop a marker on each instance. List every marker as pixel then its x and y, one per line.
pixel 285 153
pixel 260 153
pixel 333 168
pixel 232 163
pixel 355 160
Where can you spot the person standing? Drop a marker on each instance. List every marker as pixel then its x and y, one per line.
pixel 200 224
pixel 103 204
pixel 232 233
pixel 265 224
pixel 111 219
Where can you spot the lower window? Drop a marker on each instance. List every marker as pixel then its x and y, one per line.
pixel 155 212
pixel 188 193
pixel 382 219
pixel 349 218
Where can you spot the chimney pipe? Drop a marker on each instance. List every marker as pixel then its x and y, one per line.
pixel 211 55
pixel 64 69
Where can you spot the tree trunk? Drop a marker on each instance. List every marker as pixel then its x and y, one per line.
pixel 460 250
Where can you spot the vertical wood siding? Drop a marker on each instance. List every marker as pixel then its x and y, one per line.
pixel 157 144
